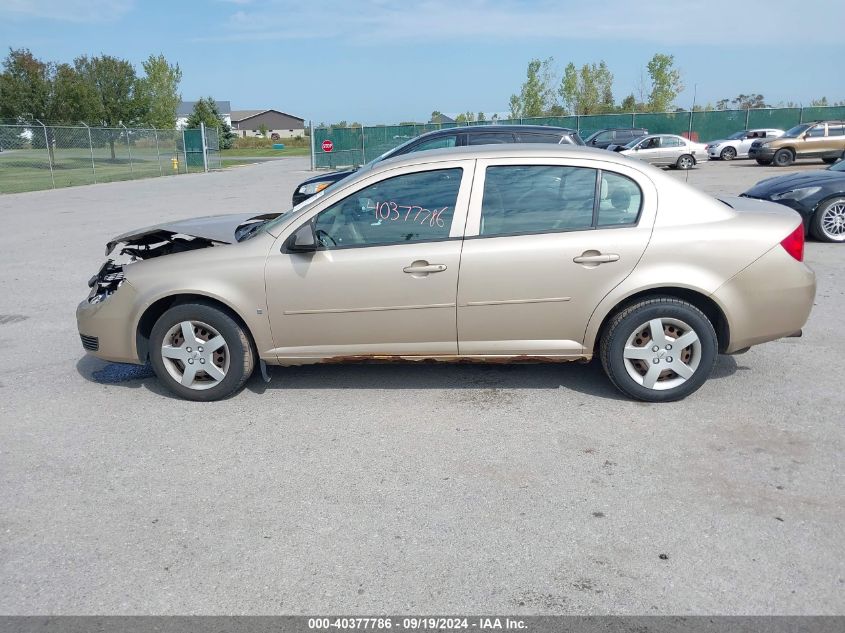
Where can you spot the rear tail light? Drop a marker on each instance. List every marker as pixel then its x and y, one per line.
pixel 794 243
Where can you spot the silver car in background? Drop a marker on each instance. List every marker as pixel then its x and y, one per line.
pixel 738 143
pixel 665 150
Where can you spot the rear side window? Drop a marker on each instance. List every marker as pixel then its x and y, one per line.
pixel 537 138
pixel 835 129
pixel 620 200
pixel 489 139
pixel 416 207
pixel 625 135
pixel 669 141
pixel 521 199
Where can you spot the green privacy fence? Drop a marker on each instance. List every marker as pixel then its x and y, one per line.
pixel 358 145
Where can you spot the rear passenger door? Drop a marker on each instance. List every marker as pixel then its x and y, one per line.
pixel 546 240
pixel 671 149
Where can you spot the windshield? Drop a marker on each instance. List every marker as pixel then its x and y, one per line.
pixel 633 143
pixel 269 225
pixel 797 130
pixel 839 166
pixel 736 136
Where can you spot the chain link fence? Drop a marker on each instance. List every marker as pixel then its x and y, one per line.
pixel 358 145
pixel 35 156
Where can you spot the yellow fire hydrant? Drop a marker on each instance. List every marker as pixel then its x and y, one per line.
pixel 175 162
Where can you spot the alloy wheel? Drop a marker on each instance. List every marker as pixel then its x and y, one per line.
pixel 662 353
pixel 833 221
pixel 685 162
pixel 195 355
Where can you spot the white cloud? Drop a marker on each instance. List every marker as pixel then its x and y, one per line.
pixel 661 22
pixel 66 10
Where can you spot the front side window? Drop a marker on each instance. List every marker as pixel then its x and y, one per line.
pixel 816 131
pixel 437 143
pixel 416 207
pixel 537 199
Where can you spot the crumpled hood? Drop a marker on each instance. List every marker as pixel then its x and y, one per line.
pixel 216 228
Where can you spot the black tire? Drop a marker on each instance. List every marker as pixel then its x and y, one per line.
pixel 729 153
pixel 628 323
pixel 783 158
pixel 238 351
pixel 687 161
pixel 823 216
pixel 829 161
pixel 764 161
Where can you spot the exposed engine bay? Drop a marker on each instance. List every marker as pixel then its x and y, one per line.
pixel 169 239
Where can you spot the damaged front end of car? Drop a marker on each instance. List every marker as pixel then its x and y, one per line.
pixel 168 239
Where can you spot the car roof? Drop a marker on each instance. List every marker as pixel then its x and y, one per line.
pixel 504 150
pixel 501 128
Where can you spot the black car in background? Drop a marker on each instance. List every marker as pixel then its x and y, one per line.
pixel 614 136
pixel 819 196
pixel 452 137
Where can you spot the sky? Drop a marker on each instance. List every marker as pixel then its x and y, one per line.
pixel 385 61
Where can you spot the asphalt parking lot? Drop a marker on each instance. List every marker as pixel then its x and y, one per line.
pixel 414 489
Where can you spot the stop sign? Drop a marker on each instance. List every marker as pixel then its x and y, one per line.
pixel 327 145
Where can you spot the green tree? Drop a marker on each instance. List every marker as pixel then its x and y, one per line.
pixel 531 95
pixel 262 130
pixel 119 96
pixel 32 89
pixel 437 116
pixel 205 111
pixel 629 104
pixel 819 102
pixel 480 117
pixel 588 90
pixel 515 107
pixel 666 82
pixel 748 102
pixel 159 90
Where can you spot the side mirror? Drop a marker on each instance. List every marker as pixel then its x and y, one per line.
pixel 303 241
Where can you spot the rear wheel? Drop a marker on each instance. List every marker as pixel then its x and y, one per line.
pixel 658 350
pixel 828 223
pixel 685 162
pixel 729 153
pixel 199 352
pixel 783 158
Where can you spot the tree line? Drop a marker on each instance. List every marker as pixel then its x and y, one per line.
pixel 589 90
pixel 103 91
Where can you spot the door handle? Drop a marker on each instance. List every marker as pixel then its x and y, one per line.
pixel 424 268
pixel 598 258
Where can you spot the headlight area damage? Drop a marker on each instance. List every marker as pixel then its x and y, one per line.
pixel 168 239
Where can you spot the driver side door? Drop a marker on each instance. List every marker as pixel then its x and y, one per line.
pixel 383 280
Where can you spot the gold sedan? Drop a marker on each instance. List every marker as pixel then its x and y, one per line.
pixel 491 254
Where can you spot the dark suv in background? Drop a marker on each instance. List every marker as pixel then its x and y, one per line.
pixel 452 137
pixel 614 136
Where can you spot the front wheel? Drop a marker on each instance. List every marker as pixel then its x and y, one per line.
pixel 764 161
pixel 828 224
pixel 783 158
pixel 201 353
pixel 729 153
pixel 685 162
pixel 829 161
pixel 658 350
